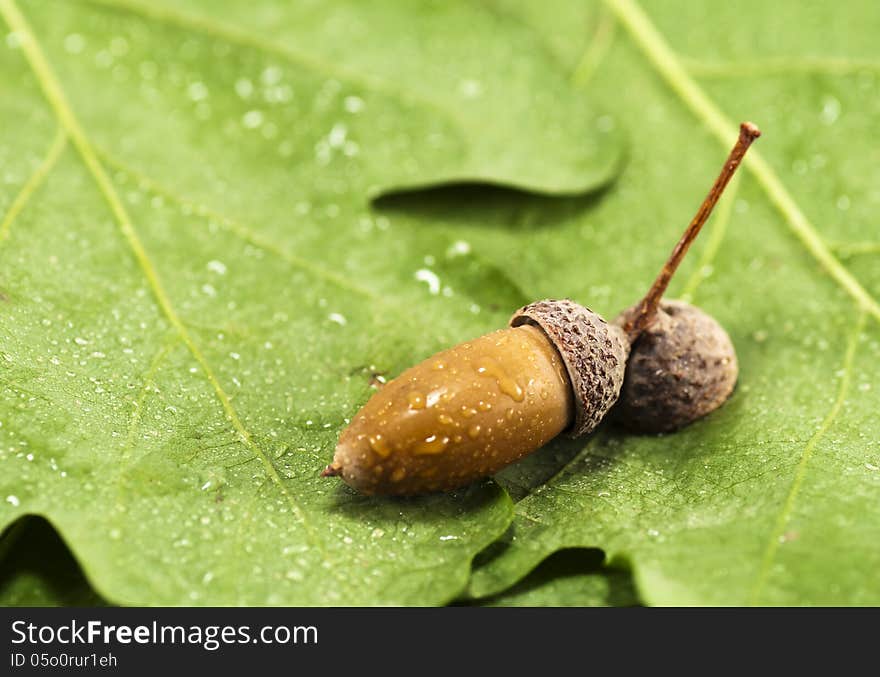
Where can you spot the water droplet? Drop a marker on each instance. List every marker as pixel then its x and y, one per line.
pixel 459 248
pixel 433 444
pixel 398 474
pixel 244 87
pixel 74 43
pixel 435 396
pixel 353 104
pixel 490 367
pixel 416 400
pixel 429 277
pixel 217 267
pixel 470 89
pixel 271 75
pixel 445 419
pixel 197 91
pixel 380 445
pixel 830 110
pixel 474 431
pixel 336 137
pixel 252 119
pixel 350 149
pixel 468 412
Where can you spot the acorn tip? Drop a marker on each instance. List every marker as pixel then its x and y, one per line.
pixel 332 470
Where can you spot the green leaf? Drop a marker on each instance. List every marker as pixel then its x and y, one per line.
pixel 569 578
pixel 770 500
pixel 773 498
pixel 37 568
pixel 197 292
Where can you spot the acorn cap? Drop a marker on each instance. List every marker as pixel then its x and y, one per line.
pixel 681 367
pixel 593 351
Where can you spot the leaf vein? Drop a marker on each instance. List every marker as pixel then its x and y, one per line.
pixel 594 54
pixel 137 411
pixel 34 182
pixel 807 453
pixel 239 230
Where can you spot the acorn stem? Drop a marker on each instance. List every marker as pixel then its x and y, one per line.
pixel 646 312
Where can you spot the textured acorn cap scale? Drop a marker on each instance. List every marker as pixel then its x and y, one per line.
pixel 594 354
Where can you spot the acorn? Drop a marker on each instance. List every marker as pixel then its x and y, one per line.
pixel 682 364
pixel 469 411
pixel 681 367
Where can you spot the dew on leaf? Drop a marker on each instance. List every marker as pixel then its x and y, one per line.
pixel 353 104
pixel 830 110
pixel 216 266
pixel 470 88
pixel 197 91
pixel 74 43
pixel 244 88
pixel 430 278
pixel 252 119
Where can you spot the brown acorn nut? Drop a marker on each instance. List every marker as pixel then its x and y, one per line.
pixel 682 367
pixel 468 411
